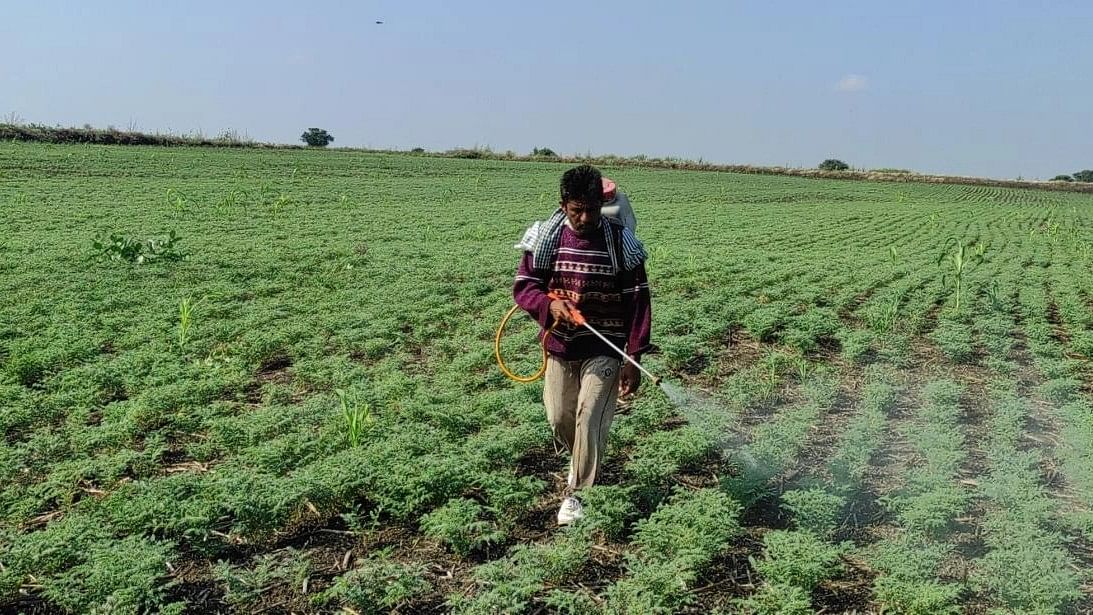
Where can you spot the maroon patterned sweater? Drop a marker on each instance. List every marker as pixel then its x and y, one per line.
pixel 617 306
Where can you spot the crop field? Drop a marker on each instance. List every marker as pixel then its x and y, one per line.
pixel 263 381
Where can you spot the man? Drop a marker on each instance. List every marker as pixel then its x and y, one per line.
pixel 580 260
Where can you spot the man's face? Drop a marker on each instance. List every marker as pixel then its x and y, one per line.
pixel 583 217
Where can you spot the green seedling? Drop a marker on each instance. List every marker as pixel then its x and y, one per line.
pixel 957 263
pixel 358 417
pixel 177 200
pixel 186 311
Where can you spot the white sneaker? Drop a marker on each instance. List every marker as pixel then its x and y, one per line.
pixel 570 511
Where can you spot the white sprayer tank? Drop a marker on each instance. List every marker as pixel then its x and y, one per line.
pixel 616 205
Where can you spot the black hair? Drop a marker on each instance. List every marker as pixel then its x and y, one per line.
pixel 583 184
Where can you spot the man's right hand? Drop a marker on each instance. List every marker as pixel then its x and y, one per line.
pixel 562 310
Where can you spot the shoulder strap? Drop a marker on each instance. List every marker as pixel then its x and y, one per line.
pixel 615 227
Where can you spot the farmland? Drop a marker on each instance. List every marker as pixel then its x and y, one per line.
pixel 262 380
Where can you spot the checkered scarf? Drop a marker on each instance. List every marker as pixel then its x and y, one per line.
pixel 543 237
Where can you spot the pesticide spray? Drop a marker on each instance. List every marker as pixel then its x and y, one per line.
pixel 698 408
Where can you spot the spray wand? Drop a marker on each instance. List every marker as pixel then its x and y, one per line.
pixel 577 318
pixel 696 407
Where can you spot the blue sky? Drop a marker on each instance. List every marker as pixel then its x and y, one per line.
pixel 999 89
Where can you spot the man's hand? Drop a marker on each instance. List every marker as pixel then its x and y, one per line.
pixel 562 311
pixel 629 380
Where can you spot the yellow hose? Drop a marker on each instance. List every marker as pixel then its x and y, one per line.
pixel 497 351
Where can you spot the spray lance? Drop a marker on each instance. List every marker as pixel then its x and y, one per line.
pixel 578 318
pixel 698 409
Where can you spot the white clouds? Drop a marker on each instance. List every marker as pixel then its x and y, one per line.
pixel 851 83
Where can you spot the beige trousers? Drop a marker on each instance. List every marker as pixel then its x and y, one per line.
pixel 580 404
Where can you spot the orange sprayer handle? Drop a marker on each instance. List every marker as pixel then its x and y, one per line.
pixel 574 313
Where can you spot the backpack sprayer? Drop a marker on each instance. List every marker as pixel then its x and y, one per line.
pixel 578 318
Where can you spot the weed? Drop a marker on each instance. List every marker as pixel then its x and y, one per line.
pixel 186 310
pixel 117 247
pixel 956 264
pixel 177 200
pixel 244 585
pixel 358 416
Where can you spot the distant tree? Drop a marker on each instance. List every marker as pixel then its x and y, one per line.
pixel 1084 176
pixel 833 165
pixel 1062 178
pixel 317 137
pixel 544 151
pixel 418 150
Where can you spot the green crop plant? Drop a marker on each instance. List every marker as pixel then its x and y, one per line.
pixel 651 587
pixel 459 524
pixel 673 545
pixel 357 415
pixel 429 234
pixel 776 443
pixel 570 602
pixel 662 454
pixel 377 585
pixel 957 263
pixel 691 526
pixel 855 344
pixel 246 449
pixel 776 599
pixel 906 581
pixel 814 510
pixel 510 584
pixel 955 340
pixel 864 435
pixel 797 558
pixel 609 509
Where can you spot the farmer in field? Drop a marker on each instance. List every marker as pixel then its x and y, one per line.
pixel 580 260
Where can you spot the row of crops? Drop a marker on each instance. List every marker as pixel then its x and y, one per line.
pixel 262 380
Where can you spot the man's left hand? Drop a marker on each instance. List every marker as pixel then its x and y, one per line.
pixel 629 380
